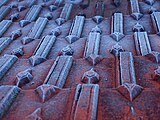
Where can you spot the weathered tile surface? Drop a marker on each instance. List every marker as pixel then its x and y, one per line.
pixel 79 59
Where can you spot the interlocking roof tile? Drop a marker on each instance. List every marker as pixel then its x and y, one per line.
pixel 79 59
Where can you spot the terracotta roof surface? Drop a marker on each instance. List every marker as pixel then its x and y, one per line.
pixel 79 59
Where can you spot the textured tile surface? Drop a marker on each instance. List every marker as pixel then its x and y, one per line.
pixel 80 59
